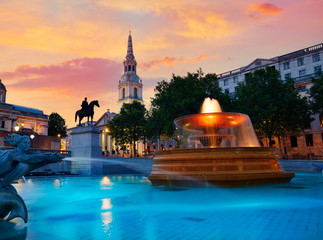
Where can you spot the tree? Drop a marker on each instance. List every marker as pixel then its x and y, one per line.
pixel 128 125
pixel 274 106
pixel 183 96
pixel 56 125
pixel 316 95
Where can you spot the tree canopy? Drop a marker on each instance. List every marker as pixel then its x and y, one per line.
pixel 56 125
pixel 274 106
pixel 316 95
pixel 128 125
pixel 182 96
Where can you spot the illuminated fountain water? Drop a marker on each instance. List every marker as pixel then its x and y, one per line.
pixel 220 148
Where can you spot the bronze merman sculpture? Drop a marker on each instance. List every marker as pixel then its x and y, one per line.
pixel 86 111
pixel 13 165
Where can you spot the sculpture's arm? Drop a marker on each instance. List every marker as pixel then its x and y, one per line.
pixel 40 158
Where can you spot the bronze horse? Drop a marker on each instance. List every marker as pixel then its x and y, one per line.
pixel 89 112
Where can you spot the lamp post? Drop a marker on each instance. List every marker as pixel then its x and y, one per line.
pixel 32 136
pixel 17 128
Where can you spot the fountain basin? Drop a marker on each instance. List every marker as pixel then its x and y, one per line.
pixel 224 167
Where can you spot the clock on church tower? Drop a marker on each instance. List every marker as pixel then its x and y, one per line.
pixel 130 84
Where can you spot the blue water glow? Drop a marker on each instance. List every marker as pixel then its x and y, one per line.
pixel 129 207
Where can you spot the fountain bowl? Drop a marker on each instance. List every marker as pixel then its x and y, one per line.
pixel 223 167
pixel 202 121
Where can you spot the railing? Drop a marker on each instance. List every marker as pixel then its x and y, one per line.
pixel 300 52
pixel 65 153
pixel 238 70
pixel 131 97
pixel 306 78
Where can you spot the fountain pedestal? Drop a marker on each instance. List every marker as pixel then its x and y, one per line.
pixel 225 167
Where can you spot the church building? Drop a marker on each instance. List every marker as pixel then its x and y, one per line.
pixel 130 89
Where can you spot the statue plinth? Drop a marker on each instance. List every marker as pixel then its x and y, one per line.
pixel 86 142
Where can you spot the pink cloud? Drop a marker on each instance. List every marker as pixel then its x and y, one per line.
pixel 171 61
pixel 85 76
pixel 252 15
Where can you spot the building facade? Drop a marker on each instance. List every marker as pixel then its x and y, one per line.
pixel 130 85
pixel 301 66
pixel 26 121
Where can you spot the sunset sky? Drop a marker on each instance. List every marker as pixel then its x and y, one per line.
pixel 56 52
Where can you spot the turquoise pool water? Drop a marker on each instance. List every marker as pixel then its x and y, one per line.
pixel 129 207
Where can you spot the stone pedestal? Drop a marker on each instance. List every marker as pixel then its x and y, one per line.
pixel 86 142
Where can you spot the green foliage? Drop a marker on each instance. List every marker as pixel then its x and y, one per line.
pixel 128 126
pixel 274 106
pixel 316 95
pixel 183 96
pixel 56 125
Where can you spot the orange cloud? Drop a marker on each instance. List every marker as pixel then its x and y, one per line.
pixel 266 8
pixel 171 61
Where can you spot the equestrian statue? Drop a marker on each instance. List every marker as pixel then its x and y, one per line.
pixel 13 165
pixel 86 111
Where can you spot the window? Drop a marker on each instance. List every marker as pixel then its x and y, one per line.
pixel 135 93
pixel 236 89
pixel 227 91
pixel 301 72
pixel 316 57
pixel 125 68
pixel 321 120
pixel 309 140
pixel 272 67
pixel 317 71
pixel 288 75
pixel 129 68
pixel 247 75
pixel 133 68
pixel 301 88
pixel 235 79
pixel 226 82
pixel 293 141
pixel 300 62
pixel 286 65
pixel 123 93
pixel 3 124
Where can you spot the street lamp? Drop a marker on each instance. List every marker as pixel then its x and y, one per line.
pixel 16 128
pixel 32 136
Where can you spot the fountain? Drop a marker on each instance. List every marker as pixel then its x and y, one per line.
pixel 219 148
pixel 14 164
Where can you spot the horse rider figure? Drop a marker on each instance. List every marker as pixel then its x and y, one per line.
pixel 84 106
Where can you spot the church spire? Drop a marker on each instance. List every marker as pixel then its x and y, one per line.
pixel 130 55
pixel 130 84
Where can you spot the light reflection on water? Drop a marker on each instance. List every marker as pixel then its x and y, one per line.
pixel 128 207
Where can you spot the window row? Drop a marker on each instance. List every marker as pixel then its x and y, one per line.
pixel 135 93
pixel 300 61
pixel 226 81
pixel 308 140
pixel 129 68
pixel 302 72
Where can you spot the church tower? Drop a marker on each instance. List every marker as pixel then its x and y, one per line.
pixel 130 84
